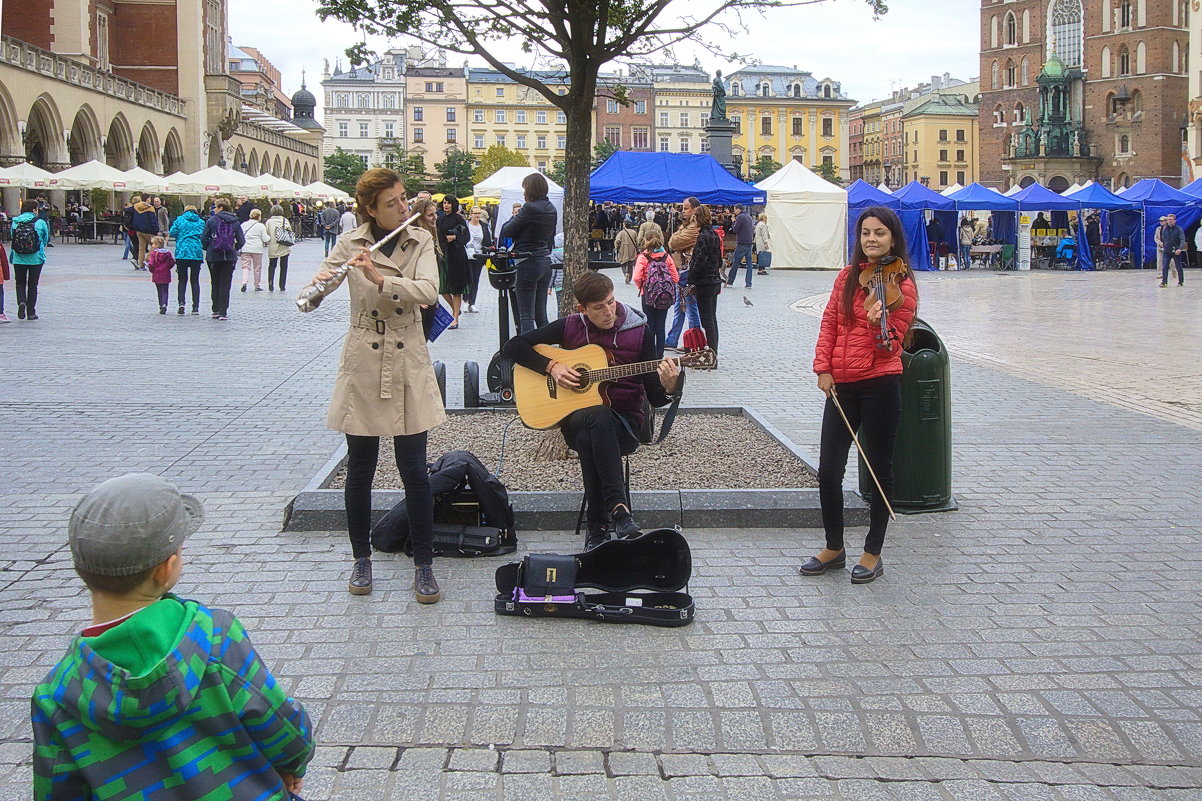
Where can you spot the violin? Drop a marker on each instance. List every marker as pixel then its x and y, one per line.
pixel 883 285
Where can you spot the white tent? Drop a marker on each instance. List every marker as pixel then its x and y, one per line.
pixel 953 189
pixel 881 186
pixel 1071 189
pixel 506 184
pixel 323 191
pixel 27 176
pixel 807 218
pixel 93 175
pixel 271 186
pixel 1014 190
pixel 211 181
pixel 140 180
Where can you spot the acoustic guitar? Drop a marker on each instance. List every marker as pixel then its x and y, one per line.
pixel 544 404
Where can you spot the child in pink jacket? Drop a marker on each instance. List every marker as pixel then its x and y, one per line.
pixel 160 263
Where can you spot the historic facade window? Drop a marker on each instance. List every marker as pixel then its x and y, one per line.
pixel 540 117
pixel 640 138
pixel 520 115
pixel 478 115
pixel 1065 31
pixel 828 126
pixel 1011 28
pixel 799 126
pixel 418 113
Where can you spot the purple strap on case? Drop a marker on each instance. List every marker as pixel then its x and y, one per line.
pixel 519 595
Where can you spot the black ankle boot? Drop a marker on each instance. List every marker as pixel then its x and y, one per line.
pixel 623 524
pixel 597 534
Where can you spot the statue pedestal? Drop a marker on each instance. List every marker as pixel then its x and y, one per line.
pixel 720 133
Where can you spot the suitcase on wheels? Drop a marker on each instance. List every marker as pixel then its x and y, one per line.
pixel 640 581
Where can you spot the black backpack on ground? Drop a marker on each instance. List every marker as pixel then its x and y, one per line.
pixel 472 515
pixel 26 241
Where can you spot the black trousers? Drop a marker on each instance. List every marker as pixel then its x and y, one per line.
pixel 873 407
pixel 363 453
pixel 657 320
pixel 221 274
pixel 188 271
pixel 707 307
pixel 474 265
pixel 601 440
pixel 28 276
pixel 530 289
pixel 271 265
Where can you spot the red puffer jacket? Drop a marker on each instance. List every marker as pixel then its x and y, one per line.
pixel 847 347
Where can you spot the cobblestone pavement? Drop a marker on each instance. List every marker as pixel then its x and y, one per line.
pixel 1040 643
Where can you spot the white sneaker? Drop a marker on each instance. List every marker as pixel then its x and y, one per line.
pixel 4 318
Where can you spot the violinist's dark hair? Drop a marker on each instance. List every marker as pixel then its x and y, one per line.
pixel 889 218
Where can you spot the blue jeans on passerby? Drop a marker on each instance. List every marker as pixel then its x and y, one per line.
pixel 686 310
pixel 331 239
pixel 763 259
pixel 530 290
pixel 742 254
pixel 130 247
pixel 1176 259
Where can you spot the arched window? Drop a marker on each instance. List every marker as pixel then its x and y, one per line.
pixel 1124 61
pixel 1125 14
pixel 997 84
pixel 1011 28
pixel 1141 58
pixel 765 89
pixel 1124 144
pixel 736 89
pixel 1106 59
pixel 1011 74
pixel 1026 72
pixel 1137 100
pixel 826 91
pixel 1066 31
pixel 1111 106
pixel 999 116
pixel 342 100
pixel 1175 64
pixel 796 90
pixel 993 31
pixel 363 100
pixel 1020 112
pixel 1026 25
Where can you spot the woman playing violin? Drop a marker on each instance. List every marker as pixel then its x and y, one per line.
pixel 858 360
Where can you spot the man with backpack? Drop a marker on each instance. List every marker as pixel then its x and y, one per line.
pixel 30 235
pixel 222 240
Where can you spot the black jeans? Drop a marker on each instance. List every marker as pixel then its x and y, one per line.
pixel 271 264
pixel 657 320
pixel 362 455
pixel 707 307
pixel 27 285
pixel 474 265
pixel 221 274
pixel 188 271
pixel 533 281
pixel 873 408
pixel 601 440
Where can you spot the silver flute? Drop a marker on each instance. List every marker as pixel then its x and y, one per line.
pixel 311 296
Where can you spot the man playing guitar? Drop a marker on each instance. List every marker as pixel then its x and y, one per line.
pixel 602 435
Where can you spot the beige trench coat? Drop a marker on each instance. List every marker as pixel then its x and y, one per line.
pixel 386 385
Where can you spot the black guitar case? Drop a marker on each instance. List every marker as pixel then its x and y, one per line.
pixel 639 578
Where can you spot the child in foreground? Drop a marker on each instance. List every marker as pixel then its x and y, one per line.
pixel 161 263
pixel 160 697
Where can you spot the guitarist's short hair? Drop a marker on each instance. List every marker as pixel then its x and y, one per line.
pixel 592 287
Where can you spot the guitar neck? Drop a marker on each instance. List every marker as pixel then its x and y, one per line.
pixel 626 370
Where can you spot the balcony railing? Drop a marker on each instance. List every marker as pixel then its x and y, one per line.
pixel 30 58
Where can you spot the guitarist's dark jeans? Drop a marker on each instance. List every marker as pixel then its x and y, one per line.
pixel 362 455
pixel 873 407
pixel 601 439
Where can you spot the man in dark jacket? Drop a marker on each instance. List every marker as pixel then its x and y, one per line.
pixel 146 225
pixel 744 231
pixel 1172 239
pixel 222 239
pixel 329 226
pixel 244 208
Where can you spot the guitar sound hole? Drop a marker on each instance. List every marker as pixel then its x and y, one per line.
pixel 585 378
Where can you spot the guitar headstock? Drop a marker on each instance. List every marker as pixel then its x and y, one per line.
pixel 700 359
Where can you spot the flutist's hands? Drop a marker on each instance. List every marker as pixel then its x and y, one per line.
pixel 362 260
pixel 322 275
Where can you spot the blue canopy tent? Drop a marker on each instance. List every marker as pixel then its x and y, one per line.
pixel 1003 210
pixel 1037 198
pixel 916 200
pixel 627 177
pixel 1156 199
pixel 1096 196
pixel 862 195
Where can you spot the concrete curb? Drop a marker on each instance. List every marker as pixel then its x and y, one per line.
pixel 316 508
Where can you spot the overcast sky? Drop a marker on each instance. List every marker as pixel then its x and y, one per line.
pixel 836 39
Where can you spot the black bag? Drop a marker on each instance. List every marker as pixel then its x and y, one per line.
pixel 472 515
pixel 26 240
pixel 548 585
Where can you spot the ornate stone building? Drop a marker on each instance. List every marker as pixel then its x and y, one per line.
pixel 681 103
pixel 364 106
pixel 1073 90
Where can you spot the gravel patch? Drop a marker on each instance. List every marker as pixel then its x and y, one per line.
pixel 704 451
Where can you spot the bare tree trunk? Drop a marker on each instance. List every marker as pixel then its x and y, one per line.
pixel 577 160
pixel 550 447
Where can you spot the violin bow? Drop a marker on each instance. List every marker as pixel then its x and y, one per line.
pixel 863 455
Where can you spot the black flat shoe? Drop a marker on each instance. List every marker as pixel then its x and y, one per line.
pixel 862 575
pixel 816 567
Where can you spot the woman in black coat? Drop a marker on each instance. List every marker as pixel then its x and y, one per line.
pixel 453 237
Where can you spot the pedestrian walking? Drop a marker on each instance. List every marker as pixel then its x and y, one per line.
pixel 129 235
pixel 656 278
pixel 329 221
pixel 479 237
pixel 967 232
pixel 29 237
pixel 532 230
pixel 244 208
pixel 281 238
pixel 164 217
pixel 864 379
pixel 705 277
pixel 347 222
pixel 1172 239
pixel 187 231
pixel 763 245
pixel 160 262
pixel 1156 238
pixel 452 240
pixel 146 226
pixel 255 242
pixel 681 246
pixel 5 274
pixel 386 385
pixel 743 229
pixel 221 240
pixel 627 248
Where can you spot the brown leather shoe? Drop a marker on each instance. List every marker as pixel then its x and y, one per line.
pixel 425 586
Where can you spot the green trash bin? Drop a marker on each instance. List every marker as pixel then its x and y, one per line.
pixel 922 454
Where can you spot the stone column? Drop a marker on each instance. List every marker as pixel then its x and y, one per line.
pixel 720 133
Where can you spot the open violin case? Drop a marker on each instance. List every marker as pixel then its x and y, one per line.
pixel 639 581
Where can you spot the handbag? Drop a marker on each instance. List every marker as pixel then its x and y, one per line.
pixel 284 235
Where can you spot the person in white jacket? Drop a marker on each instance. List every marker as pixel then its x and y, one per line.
pixel 763 245
pixel 257 241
